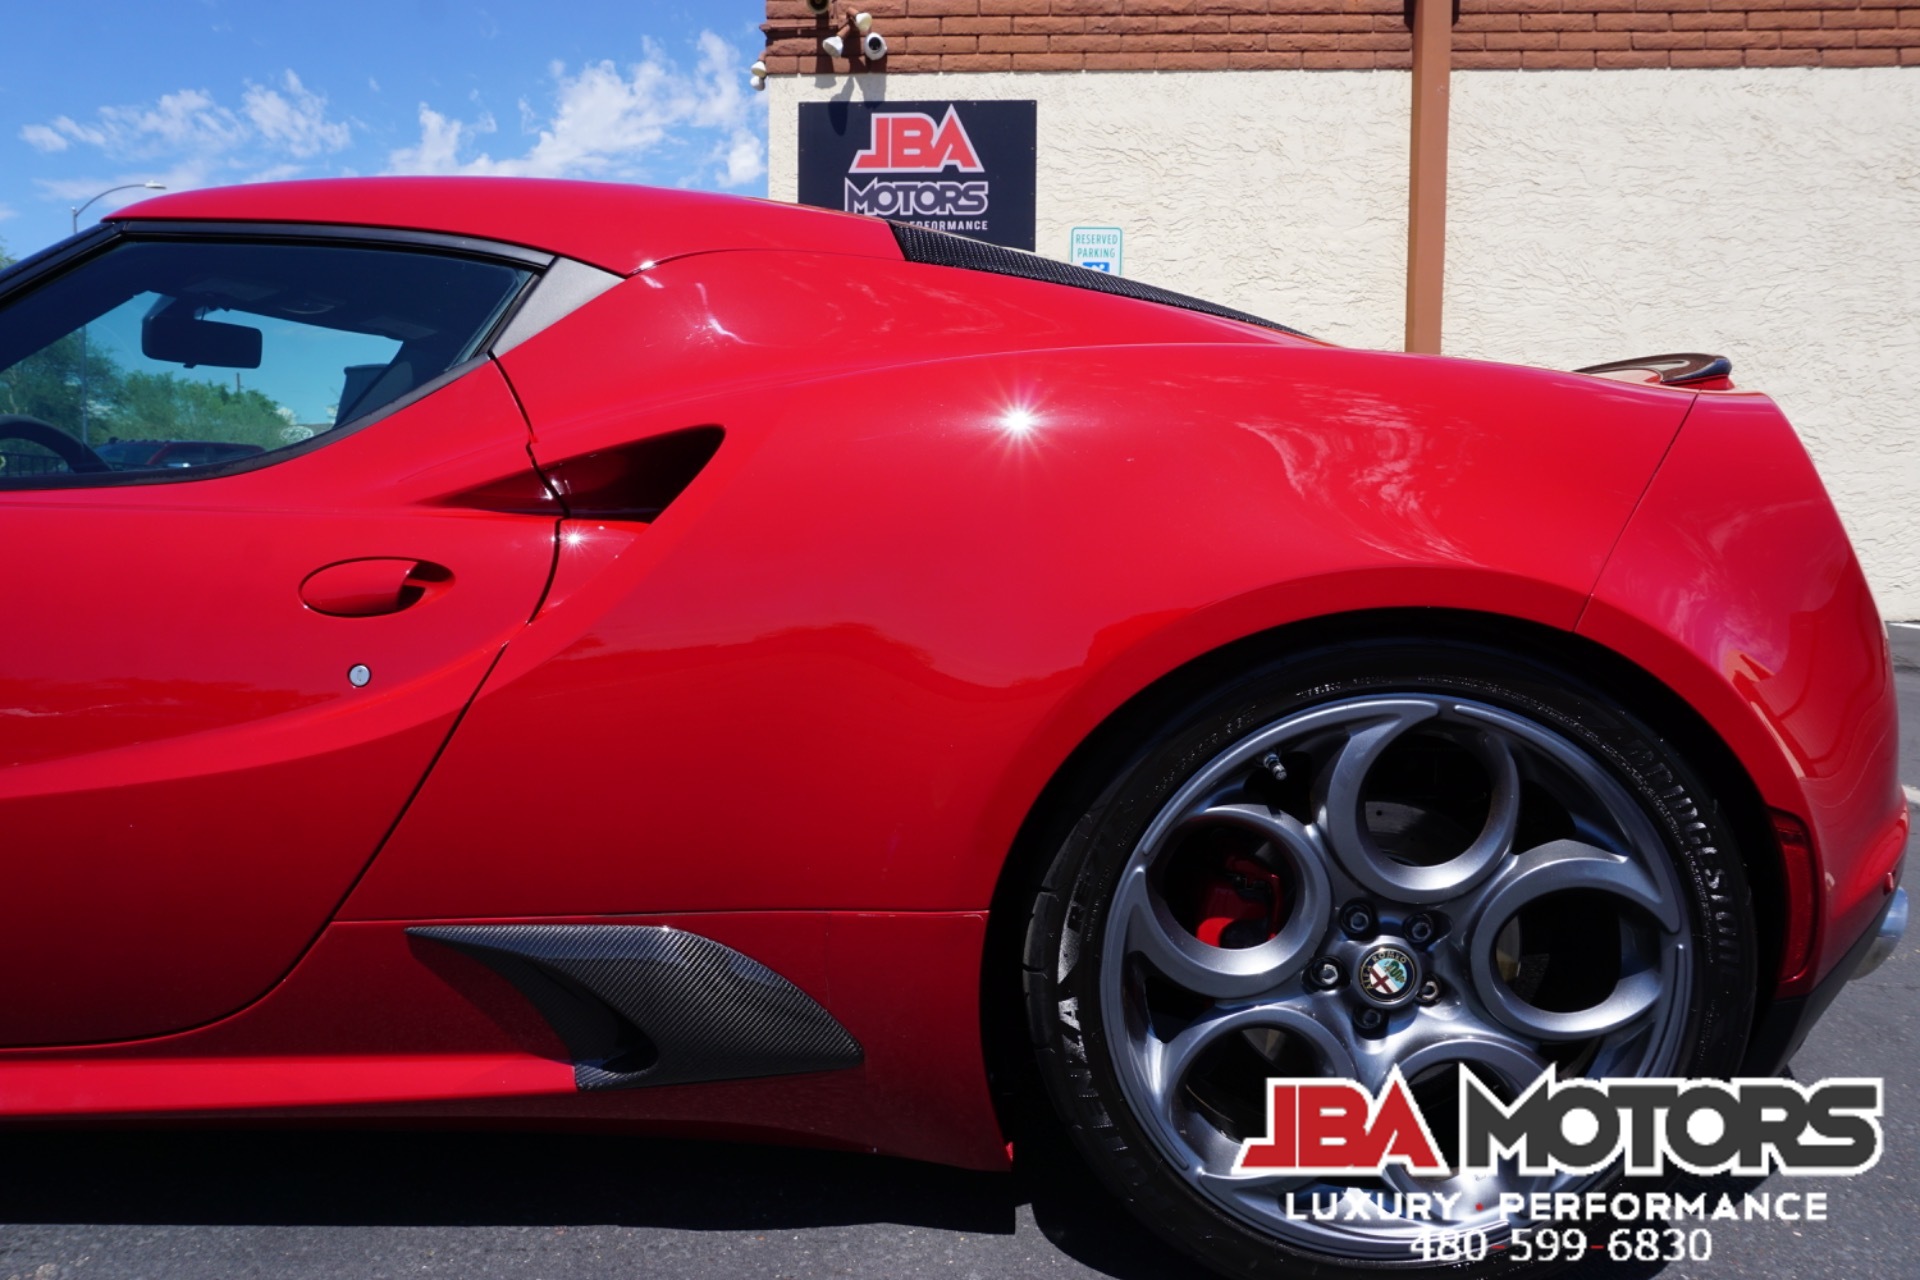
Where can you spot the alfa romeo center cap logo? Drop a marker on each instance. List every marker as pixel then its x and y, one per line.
pixel 1386 975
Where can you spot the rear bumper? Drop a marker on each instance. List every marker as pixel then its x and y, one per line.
pixel 1783 1028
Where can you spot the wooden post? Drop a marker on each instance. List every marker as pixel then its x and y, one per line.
pixel 1427 181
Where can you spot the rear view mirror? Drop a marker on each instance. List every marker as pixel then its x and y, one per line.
pixel 185 339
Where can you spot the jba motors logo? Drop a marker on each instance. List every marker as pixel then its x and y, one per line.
pixel 910 142
pixel 1323 1127
pixel 913 142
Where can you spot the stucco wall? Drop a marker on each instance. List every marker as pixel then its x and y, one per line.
pixel 1773 215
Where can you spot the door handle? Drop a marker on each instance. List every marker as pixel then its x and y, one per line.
pixel 370 587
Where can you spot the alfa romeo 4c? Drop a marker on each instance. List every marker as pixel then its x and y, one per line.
pixel 671 661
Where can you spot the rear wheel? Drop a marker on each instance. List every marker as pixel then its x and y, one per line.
pixel 1412 855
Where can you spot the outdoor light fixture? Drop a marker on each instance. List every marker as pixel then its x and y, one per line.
pixel 758 75
pixel 871 45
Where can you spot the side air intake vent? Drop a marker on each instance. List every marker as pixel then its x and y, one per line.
pixel 938 249
pixel 633 481
pixel 641 1005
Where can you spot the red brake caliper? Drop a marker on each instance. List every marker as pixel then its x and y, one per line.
pixel 1241 906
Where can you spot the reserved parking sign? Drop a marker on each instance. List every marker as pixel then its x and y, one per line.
pixel 1096 248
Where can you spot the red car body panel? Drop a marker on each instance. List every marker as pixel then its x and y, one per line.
pixel 183 741
pixel 957 521
pixel 1736 586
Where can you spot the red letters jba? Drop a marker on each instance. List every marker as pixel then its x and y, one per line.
pixel 1334 1128
pixel 910 142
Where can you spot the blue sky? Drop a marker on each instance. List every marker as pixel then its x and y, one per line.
pixel 195 93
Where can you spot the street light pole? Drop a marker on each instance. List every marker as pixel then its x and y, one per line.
pixel 77 211
pixel 125 186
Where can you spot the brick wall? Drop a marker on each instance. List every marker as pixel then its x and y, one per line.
pixel 1340 35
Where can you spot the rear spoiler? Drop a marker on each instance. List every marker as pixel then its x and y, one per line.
pixel 1679 369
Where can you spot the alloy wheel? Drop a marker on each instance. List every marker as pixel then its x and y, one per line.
pixel 1399 879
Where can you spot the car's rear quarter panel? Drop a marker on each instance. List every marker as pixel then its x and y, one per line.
pixel 1736 586
pixel 838 672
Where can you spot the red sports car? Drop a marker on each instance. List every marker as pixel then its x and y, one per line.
pixel 697 664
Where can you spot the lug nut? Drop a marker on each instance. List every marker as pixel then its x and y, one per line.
pixel 1324 973
pixel 1420 929
pixel 1370 1020
pixel 1429 991
pixel 1357 919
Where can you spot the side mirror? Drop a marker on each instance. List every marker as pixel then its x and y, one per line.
pixel 185 339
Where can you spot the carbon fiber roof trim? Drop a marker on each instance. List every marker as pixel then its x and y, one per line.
pixel 939 249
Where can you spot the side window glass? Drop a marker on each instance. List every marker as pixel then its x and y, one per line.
pixel 171 358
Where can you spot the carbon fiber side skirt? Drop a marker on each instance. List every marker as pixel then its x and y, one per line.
pixel 641 1005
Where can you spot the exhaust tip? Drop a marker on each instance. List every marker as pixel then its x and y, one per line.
pixel 1892 925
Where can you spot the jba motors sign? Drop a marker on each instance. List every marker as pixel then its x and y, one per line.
pixel 965 167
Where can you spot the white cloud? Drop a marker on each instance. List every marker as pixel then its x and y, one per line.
pixel 42 138
pixel 607 123
pixel 744 159
pixel 720 84
pixel 297 121
pixel 189 120
pixel 188 139
pixel 439 148
pixel 8 211
pixel 725 104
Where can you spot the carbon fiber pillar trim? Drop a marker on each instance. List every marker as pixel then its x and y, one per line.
pixel 641 1005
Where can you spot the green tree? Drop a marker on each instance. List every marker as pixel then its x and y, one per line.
pixel 48 384
pixel 160 406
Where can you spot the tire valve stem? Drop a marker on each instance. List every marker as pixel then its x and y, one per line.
pixel 1271 763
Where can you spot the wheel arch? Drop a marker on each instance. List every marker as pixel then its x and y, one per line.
pixel 1106 749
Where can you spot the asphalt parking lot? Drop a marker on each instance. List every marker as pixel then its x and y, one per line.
pixel 331 1205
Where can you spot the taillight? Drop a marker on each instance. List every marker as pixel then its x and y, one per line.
pixel 1801 881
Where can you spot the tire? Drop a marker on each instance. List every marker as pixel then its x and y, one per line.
pixel 1409 776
